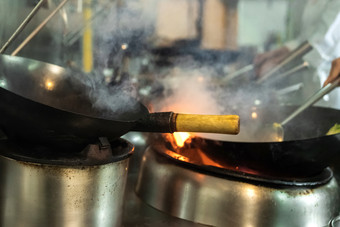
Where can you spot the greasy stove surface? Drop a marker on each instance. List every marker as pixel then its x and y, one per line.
pixel 220 201
pixel 139 214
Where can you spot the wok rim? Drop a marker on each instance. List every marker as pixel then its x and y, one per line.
pixel 142 112
pixel 326 172
pixel 309 139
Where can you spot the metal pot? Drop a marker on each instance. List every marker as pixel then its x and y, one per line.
pixel 41 189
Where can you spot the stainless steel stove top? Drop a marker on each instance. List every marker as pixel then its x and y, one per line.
pixel 137 213
pixel 173 195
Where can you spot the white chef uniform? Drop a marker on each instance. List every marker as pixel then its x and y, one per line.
pixel 321 27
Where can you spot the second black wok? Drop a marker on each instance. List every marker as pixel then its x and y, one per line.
pixel 305 151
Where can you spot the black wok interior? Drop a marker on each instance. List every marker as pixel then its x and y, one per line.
pixel 312 123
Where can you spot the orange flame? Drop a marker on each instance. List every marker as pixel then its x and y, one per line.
pixel 180 138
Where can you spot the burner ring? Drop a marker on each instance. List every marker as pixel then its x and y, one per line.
pixel 280 181
pixel 219 200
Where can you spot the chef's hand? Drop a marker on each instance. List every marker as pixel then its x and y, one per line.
pixel 334 73
pixel 265 62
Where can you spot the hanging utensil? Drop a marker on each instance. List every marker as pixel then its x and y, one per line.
pixel 40 26
pixel 294 70
pixel 239 72
pixel 301 50
pixel 22 26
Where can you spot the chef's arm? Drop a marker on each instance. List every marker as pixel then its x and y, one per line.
pixel 334 72
pixel 266 61
pixel 324 40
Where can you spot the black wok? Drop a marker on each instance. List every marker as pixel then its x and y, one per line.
pixel 47 104
pixel 305 151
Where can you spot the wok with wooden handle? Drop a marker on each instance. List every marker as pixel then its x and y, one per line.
pixel 43 103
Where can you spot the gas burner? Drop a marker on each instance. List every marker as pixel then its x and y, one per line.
pixel 98 153
pixel 210 197
pixel 199 161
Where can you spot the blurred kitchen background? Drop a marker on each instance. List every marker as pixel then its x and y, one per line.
pixel 145 41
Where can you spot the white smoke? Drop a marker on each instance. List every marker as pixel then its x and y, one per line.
pixel 120 30
pixel 124 27
pixel 118 102
pixel 187 90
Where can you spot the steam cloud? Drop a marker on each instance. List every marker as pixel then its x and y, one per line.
pixel 192 88
pixel 129 25
pixel 188 88
pixel 186 91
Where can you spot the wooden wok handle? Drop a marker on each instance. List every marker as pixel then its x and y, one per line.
pixel 225 124
pixel 176 122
